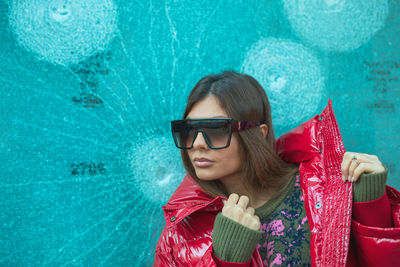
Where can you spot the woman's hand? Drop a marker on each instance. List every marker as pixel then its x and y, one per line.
pixel 355 164
pixel 239 212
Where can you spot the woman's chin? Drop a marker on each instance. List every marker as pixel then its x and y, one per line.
pixel 205 175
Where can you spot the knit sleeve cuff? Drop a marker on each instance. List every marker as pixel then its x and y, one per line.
pixel 370 186
pixel 232 241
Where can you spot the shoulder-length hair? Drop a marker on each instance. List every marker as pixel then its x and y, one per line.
pixel 243 98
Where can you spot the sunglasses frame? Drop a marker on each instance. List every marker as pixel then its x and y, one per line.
pixel 234 126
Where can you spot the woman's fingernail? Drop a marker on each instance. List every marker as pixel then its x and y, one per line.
pixel 343 178
pixel 352 179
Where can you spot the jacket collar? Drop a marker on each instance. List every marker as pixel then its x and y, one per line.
pixel 188 198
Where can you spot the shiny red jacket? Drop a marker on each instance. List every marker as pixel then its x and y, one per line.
pixel 343 233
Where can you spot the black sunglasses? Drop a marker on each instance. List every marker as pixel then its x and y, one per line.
pixel 217 132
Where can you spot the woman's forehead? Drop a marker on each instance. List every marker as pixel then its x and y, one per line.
pixel 208 107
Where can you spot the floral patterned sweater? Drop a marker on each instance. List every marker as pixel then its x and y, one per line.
pixel 284 235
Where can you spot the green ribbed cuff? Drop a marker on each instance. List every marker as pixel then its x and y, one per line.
pixel 370 186
pixel 232 241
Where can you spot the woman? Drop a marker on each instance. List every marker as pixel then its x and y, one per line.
pixel 251 200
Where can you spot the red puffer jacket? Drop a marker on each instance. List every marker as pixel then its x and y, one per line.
pixel 186 239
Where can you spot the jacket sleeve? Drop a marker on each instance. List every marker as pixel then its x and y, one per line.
pixel 375 230
pixel 233 241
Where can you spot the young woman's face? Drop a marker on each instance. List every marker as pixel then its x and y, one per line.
pixel 210 164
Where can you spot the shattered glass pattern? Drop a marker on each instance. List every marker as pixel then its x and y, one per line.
pixel 158 179
pixel 284 67
pixel 88 89
pixel 336 25
pixel 63 32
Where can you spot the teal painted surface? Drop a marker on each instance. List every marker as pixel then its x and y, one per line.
pixel 89 87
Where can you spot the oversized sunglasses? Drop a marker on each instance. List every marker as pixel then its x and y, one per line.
pixel 217 132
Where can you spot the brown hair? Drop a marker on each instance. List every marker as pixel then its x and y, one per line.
pixel 243 98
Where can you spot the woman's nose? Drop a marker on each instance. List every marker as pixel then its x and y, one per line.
pixel 199 141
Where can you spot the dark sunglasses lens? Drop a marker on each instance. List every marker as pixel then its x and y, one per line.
pixel 183 139
pixel 181 134
pixel 218 136
pixel 217 132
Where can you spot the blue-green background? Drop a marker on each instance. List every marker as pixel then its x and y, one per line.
pixel 82 183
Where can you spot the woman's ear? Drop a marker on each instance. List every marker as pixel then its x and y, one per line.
pixel 264 130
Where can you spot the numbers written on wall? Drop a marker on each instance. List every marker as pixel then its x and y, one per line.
pixel 384 73
pixel 87 100
pixel 382 105
pixel 85 168
pixel 90 72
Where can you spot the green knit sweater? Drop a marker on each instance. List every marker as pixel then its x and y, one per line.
pixel 284 237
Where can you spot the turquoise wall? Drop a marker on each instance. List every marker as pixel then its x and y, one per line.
pixel 88 89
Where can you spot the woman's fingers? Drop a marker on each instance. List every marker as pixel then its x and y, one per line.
pixel 361 168
pixel 355 164
pixel 345 166
pixel 232 200
pixel 250 210
pixel 250 221
pixel 255 224
pixel 243 201
pixel 236 209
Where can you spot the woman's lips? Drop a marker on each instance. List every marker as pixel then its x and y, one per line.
pixel 202 162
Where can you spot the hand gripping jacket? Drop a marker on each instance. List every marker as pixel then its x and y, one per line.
pixel 337 239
